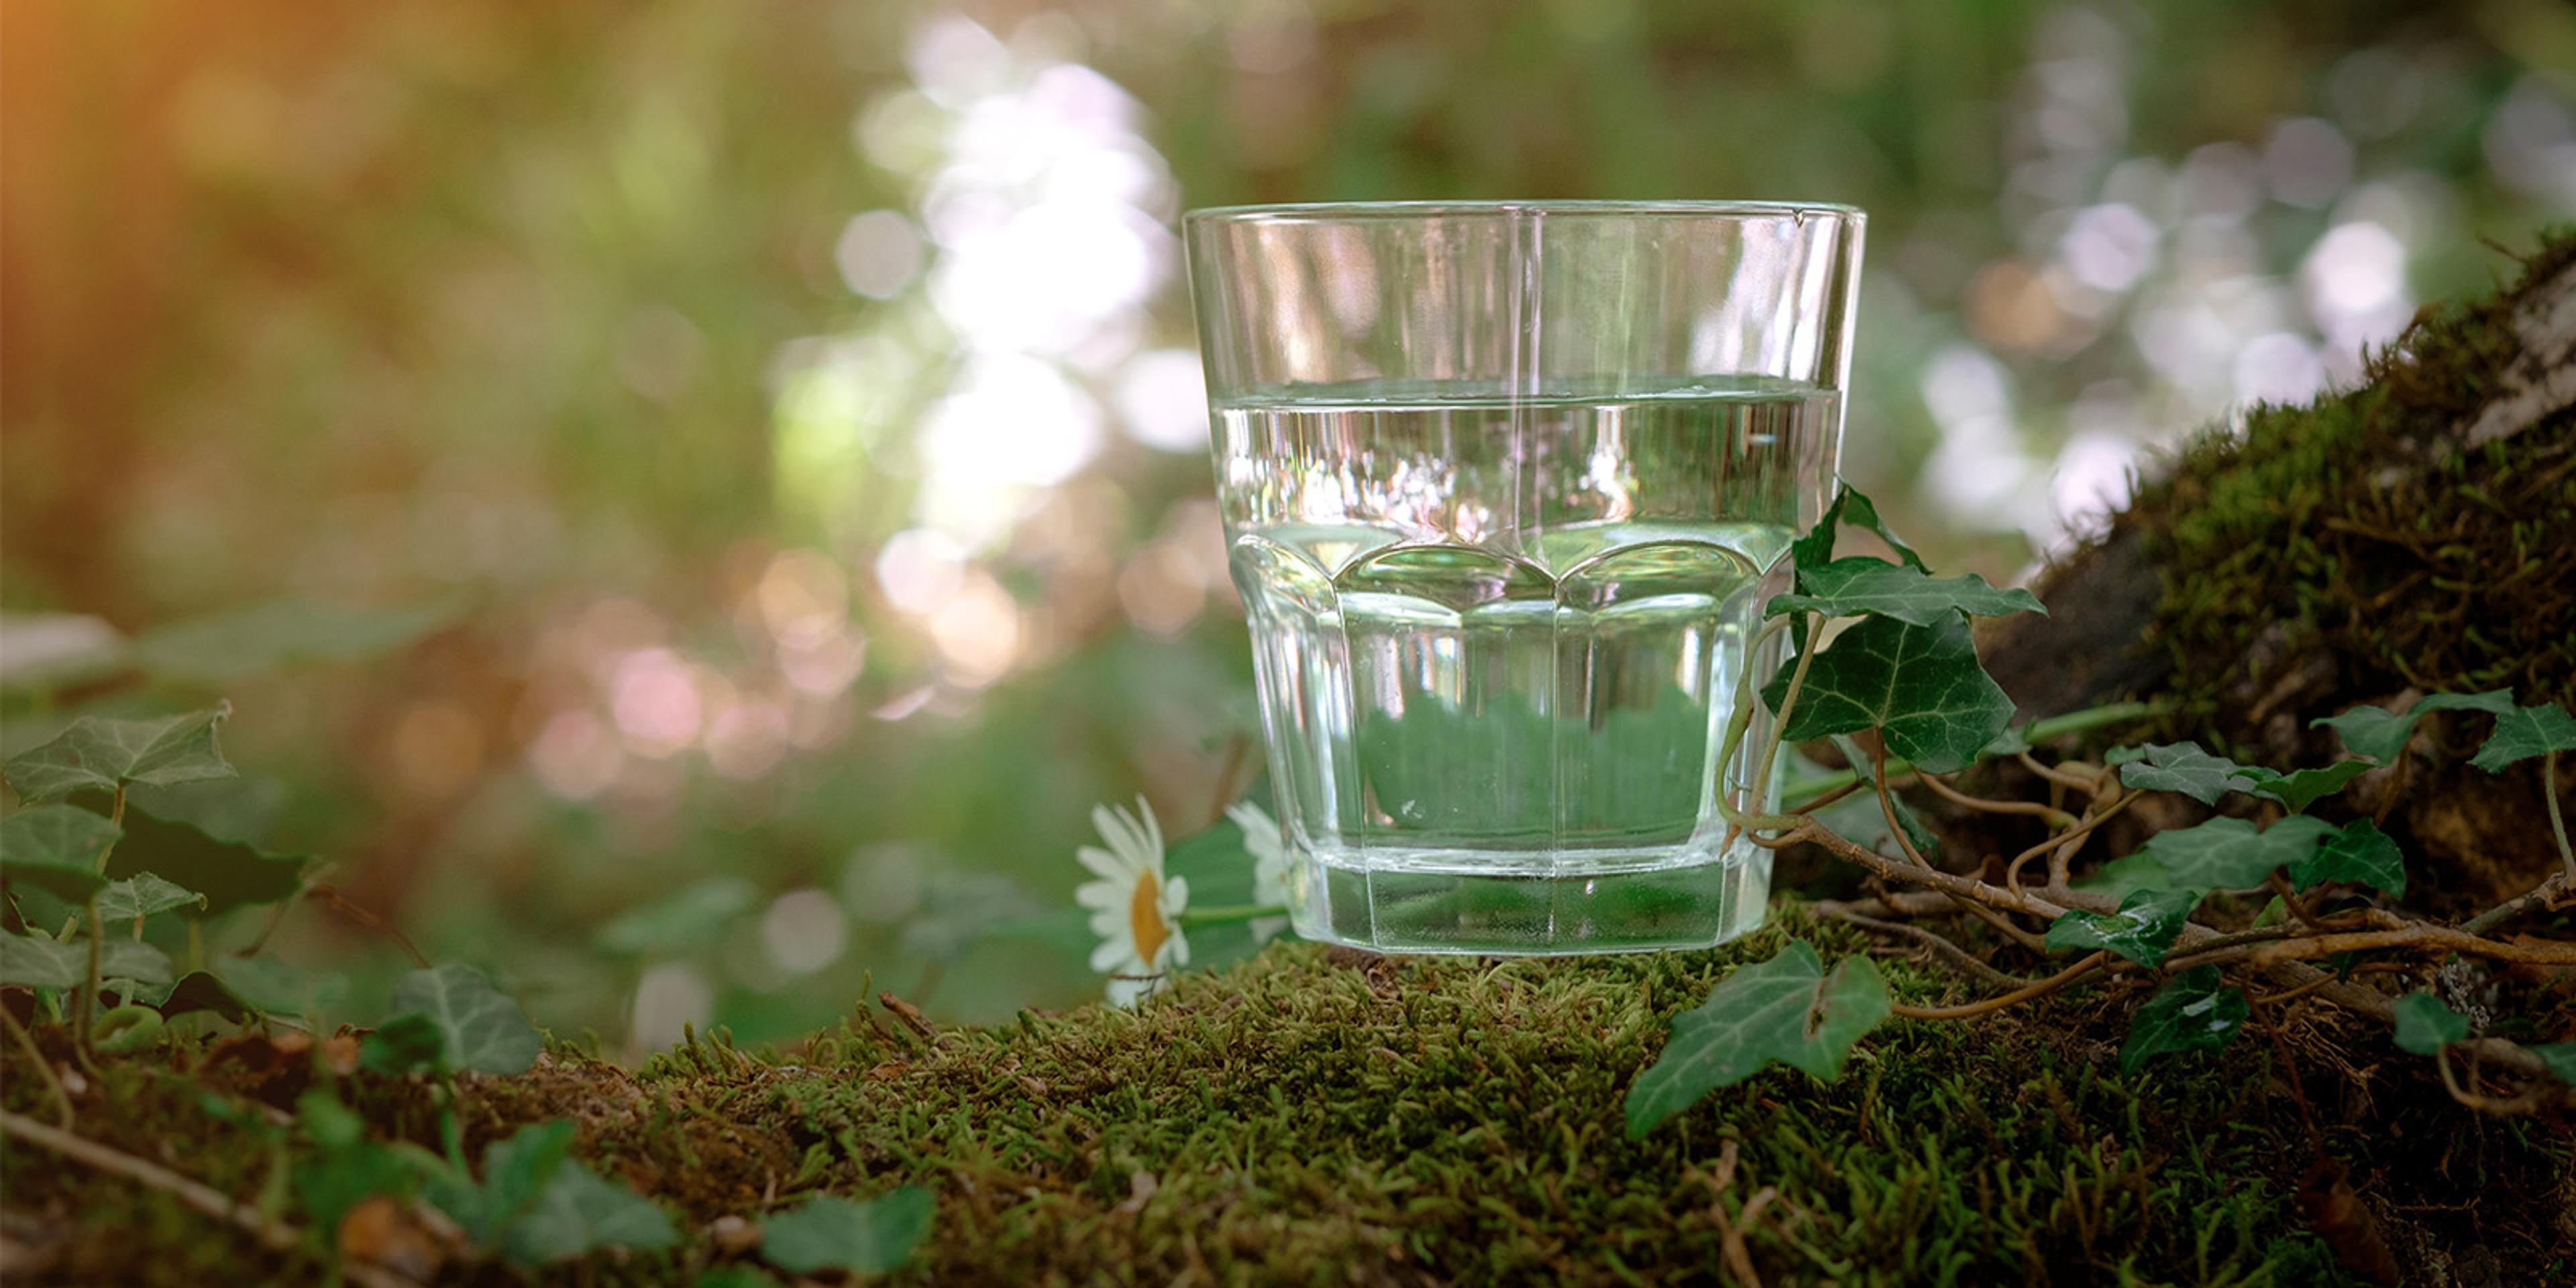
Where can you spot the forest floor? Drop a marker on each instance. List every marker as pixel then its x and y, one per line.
pixel 1318 1115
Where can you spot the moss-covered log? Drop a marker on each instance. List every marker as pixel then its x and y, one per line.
pixel 2414 534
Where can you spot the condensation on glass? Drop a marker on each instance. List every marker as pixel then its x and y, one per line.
pixel 1506 486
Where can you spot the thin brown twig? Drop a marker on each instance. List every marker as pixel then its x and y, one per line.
pixel 2039 988
pixel 1959 958
pixel 205 1199
pixel 2272 1027
pixel 2546 892
pixel 330 897
pixel 214 1203
pixel 2079 782
pixel 2524 1103
pixel 44 1067
pixel 1828 798
pixel 2557 822
pixel 1958 887
pixel 276 1235
pixel 2061 861
pixel 2083 828
pixel 2291 902
pixel 1887 808
pixel 2056 817
pixel 2296 992
pixel 2418 935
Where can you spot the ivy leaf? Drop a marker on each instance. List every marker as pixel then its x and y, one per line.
pixel 1852 506
pixel 347 1168
pixel 2142 930
pixel 2229 853
pixel 404 1044
pixel 2381 734
pixel 1067 929
pixel 41 844
pixel 2425 1025
pixel 2559 1058
pixel 579 1212
pixel 64 963
pixel 276 987
pixel 2525 732
pixel 2301 788
pixel 1862 585
pixel 2179 767
pixel 142 895
pixel 835 1234
pixel 203 991
pixel 229 874
pixel 515 1173
pixel 1220 869
pixel 2360 854
pixel 241 642
pixel 687 920
pixel 479 1026
pixel 2194 1011
pixel 73 883
pixel 1920 686
pixel 102 753
pixel 959 909
pixel 1786 1009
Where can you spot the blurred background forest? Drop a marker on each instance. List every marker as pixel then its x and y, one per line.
pixel 694 501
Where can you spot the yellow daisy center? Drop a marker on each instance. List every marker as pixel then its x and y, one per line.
pixel 1145 917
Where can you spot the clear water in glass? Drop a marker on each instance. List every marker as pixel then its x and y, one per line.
pixel 1497 637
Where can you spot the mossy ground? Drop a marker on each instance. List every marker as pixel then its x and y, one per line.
pixel 1312 1116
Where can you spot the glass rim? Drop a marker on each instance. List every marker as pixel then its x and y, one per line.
pixel 1364 211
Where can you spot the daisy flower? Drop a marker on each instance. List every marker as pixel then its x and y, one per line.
pixel 1269 865
pixel 1134 910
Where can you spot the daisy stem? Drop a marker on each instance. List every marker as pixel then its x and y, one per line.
pixel 1230 913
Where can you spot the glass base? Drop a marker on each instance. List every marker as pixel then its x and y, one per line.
pixel 1515 903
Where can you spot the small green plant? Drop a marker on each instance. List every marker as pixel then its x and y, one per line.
pixel 85 871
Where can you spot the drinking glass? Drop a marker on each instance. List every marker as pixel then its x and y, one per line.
pixel 1505 487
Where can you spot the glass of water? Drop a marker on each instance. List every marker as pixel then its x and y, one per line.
pixel 1506 487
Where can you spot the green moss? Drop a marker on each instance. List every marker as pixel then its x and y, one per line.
pixel 2359 532
pixel 1312 1116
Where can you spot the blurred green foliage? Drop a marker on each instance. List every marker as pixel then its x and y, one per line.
pixel 590 519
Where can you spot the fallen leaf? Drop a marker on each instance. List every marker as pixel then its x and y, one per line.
pixel 2338 1216
pixel 382 1232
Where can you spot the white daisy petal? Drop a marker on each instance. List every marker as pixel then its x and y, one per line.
pixel 1176 950
pixel 1116 956
pixel 1176 898
pixel 1127 992
pixel 1153 837
pixel 1112 829
pixel 1260 831
pixel 1103 864
pixel 1100 894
